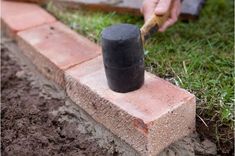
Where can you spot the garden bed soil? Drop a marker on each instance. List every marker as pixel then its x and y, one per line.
pixel 28 126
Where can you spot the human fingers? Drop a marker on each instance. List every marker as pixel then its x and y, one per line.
pixel 174 13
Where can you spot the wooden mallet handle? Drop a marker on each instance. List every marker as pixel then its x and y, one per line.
pixel 152 25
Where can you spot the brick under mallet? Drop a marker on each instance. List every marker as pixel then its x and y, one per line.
pixel 123 53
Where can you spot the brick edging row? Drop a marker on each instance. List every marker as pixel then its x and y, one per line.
pixel 148 119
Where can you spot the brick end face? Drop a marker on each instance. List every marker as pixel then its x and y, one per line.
pixel 172 126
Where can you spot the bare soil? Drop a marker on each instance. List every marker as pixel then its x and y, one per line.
pixel 28 127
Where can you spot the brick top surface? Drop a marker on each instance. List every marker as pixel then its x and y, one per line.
pixel 61 45
pixel 20 16
pixel 155 98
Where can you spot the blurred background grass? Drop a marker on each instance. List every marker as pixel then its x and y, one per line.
pixel 196 55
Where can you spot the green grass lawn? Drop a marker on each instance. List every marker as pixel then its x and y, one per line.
pixel 197 56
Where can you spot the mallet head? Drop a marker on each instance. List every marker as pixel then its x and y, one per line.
pixel 123 57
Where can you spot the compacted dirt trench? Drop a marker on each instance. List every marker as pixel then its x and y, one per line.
pixel 28 127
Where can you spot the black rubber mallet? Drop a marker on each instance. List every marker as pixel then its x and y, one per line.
pixel 123 53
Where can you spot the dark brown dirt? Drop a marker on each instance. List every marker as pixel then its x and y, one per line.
pixel 27 126
pixel 226 144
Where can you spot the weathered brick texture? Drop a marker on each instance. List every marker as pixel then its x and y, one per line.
pixel 16 16
pixel 149 119
pixel 54 48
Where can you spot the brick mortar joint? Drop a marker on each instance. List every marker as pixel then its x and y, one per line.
pixel 72 66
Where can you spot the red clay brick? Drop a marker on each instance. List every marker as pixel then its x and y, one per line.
pixel 18 16
pixel 149 119
pixel 54 48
